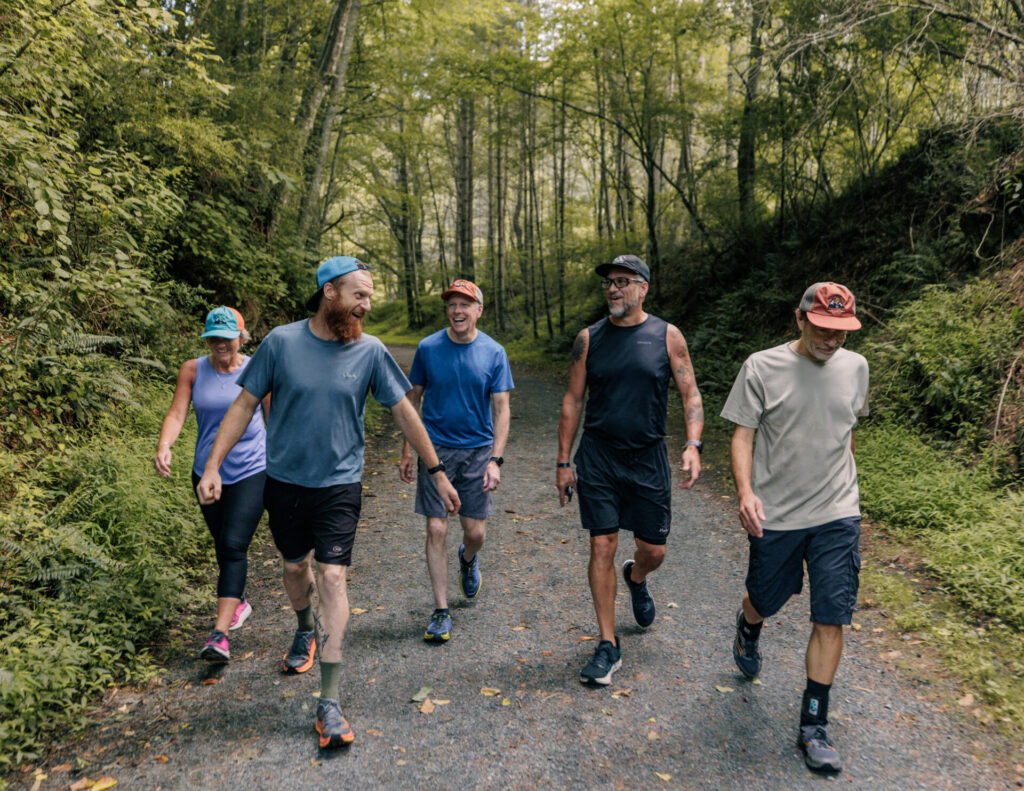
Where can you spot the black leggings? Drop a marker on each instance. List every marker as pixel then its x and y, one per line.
pixel 233 520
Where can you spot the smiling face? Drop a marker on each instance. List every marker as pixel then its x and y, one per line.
pixel 463 314
pixel 817 343
pixel 624 301
pixel 345 303
pixel 223 352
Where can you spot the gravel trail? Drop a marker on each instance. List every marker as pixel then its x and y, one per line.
pixel 678 716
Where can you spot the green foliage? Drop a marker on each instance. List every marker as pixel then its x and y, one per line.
pixel 939 363
pixel 95 559
pixel 971 535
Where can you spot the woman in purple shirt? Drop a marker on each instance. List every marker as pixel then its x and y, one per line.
pixel 208 383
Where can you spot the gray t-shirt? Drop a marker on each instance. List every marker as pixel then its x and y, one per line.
pixel 315 430
pixel 804 412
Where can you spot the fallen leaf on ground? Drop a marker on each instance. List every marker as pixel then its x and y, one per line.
pixel 62 768
pixel 373 732
pixel 39 777
pixel 490 691
pixel 545 653
pixel 607 712
pixel 757 681
pixel 210 681
pixel 399 762
pixel 673 605
pixel 247 656
pixel 856 627
pixel 81 785
pixel 892 655
pixel 721 689
pixel 586 639
pixel 441 702
pixel 316 762
pixel 621 693
pixel 161 759
pixel 966 700
pixel 104 783
pixel 357 610
pixel 427 706
pixel 652 736
pixel 421 696
pixel 518 628
pixel 664 776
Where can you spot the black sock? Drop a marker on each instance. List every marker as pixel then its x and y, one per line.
pixel 814 708
pixel 750 631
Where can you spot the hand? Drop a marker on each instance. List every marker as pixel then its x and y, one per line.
pixel 752 515
pixel 449 496
pixel 564 477
pixel 406 468
pixel 492 476
pixel 209 488
pixel 162 461
pixel 691 467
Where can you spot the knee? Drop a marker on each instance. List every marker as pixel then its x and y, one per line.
pixel 331 578
pixel 298 568
pixel 602 551
pixel 828 632
pixel 437 530
pixel 651 554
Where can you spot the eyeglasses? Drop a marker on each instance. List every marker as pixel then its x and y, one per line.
pixel 619 282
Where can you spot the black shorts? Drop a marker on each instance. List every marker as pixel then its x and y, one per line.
pixel 776 569
pixel 624 490
pixel 322 519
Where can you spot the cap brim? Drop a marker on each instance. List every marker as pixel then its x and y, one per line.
pixel 457 293
pixel 313 303
pixel 228 334
pixel 834 322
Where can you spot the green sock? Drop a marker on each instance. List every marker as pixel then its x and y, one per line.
pixel 305 617
pixel 330 679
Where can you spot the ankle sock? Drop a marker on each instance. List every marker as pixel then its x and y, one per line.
pixel 330 679
pixel 750 631
pixel 305 617
pixel 814 707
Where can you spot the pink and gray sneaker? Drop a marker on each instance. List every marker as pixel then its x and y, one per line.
pixel 216 648
pixel 242 613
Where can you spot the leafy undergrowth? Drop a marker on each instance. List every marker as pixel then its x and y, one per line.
pixel 970 534
pixel 98 556
pixel 983 654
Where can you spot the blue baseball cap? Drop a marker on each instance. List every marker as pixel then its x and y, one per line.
pixel 328 270
pixel 223 322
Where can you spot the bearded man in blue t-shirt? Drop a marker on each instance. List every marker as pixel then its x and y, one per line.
pixel 461 375
pixel 319 372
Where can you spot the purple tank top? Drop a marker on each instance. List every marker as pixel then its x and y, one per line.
pixel 212 394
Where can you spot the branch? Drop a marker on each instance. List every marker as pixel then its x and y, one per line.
pixel 27 44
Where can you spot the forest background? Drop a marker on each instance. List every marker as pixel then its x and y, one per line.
pixel 160 159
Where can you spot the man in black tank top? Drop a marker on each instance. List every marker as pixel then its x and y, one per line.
pixel 626 361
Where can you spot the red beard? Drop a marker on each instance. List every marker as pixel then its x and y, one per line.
pixel 345 326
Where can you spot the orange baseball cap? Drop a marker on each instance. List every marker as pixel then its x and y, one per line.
pixel 464 288
pixel 830 306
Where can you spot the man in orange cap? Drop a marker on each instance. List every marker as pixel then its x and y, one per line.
pixel 463 379
pixel 798 493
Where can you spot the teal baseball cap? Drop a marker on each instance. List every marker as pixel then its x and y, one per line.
pixel 328 270
pixel 223 322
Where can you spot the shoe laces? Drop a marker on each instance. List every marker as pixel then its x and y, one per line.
pixel 330 715
pixel 816 733
pixel 438 616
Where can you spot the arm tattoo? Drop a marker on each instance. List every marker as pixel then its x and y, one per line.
pixel 578 347
pixel 695 414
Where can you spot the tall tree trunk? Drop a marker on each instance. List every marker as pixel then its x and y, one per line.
pixel 538 229
pixel 499 186
pixel 308 234
pixel 464 186
pixel 745 148
pixel 560 209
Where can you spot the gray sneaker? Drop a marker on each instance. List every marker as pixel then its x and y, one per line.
pixel 819 752
pixel 744 652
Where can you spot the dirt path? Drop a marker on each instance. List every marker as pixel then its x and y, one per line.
pixel 677 716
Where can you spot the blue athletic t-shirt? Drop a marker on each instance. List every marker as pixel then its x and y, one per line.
pixel 458 379
pixel 315 432
pixel 212 394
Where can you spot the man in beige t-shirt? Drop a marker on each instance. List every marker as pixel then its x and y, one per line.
pixel 798 493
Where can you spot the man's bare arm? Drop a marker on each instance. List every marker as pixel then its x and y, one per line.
pixel 693 404
pixel 572 409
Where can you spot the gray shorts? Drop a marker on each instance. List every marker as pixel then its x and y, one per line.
pixel 465 468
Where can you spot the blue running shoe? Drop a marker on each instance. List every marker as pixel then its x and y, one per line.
pixel 469 575
pixel 439 630
pixel 745 652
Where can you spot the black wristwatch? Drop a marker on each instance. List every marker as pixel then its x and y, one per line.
pixel 697 444
pixel 499 460
pixel 439 468
pixel 563 464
